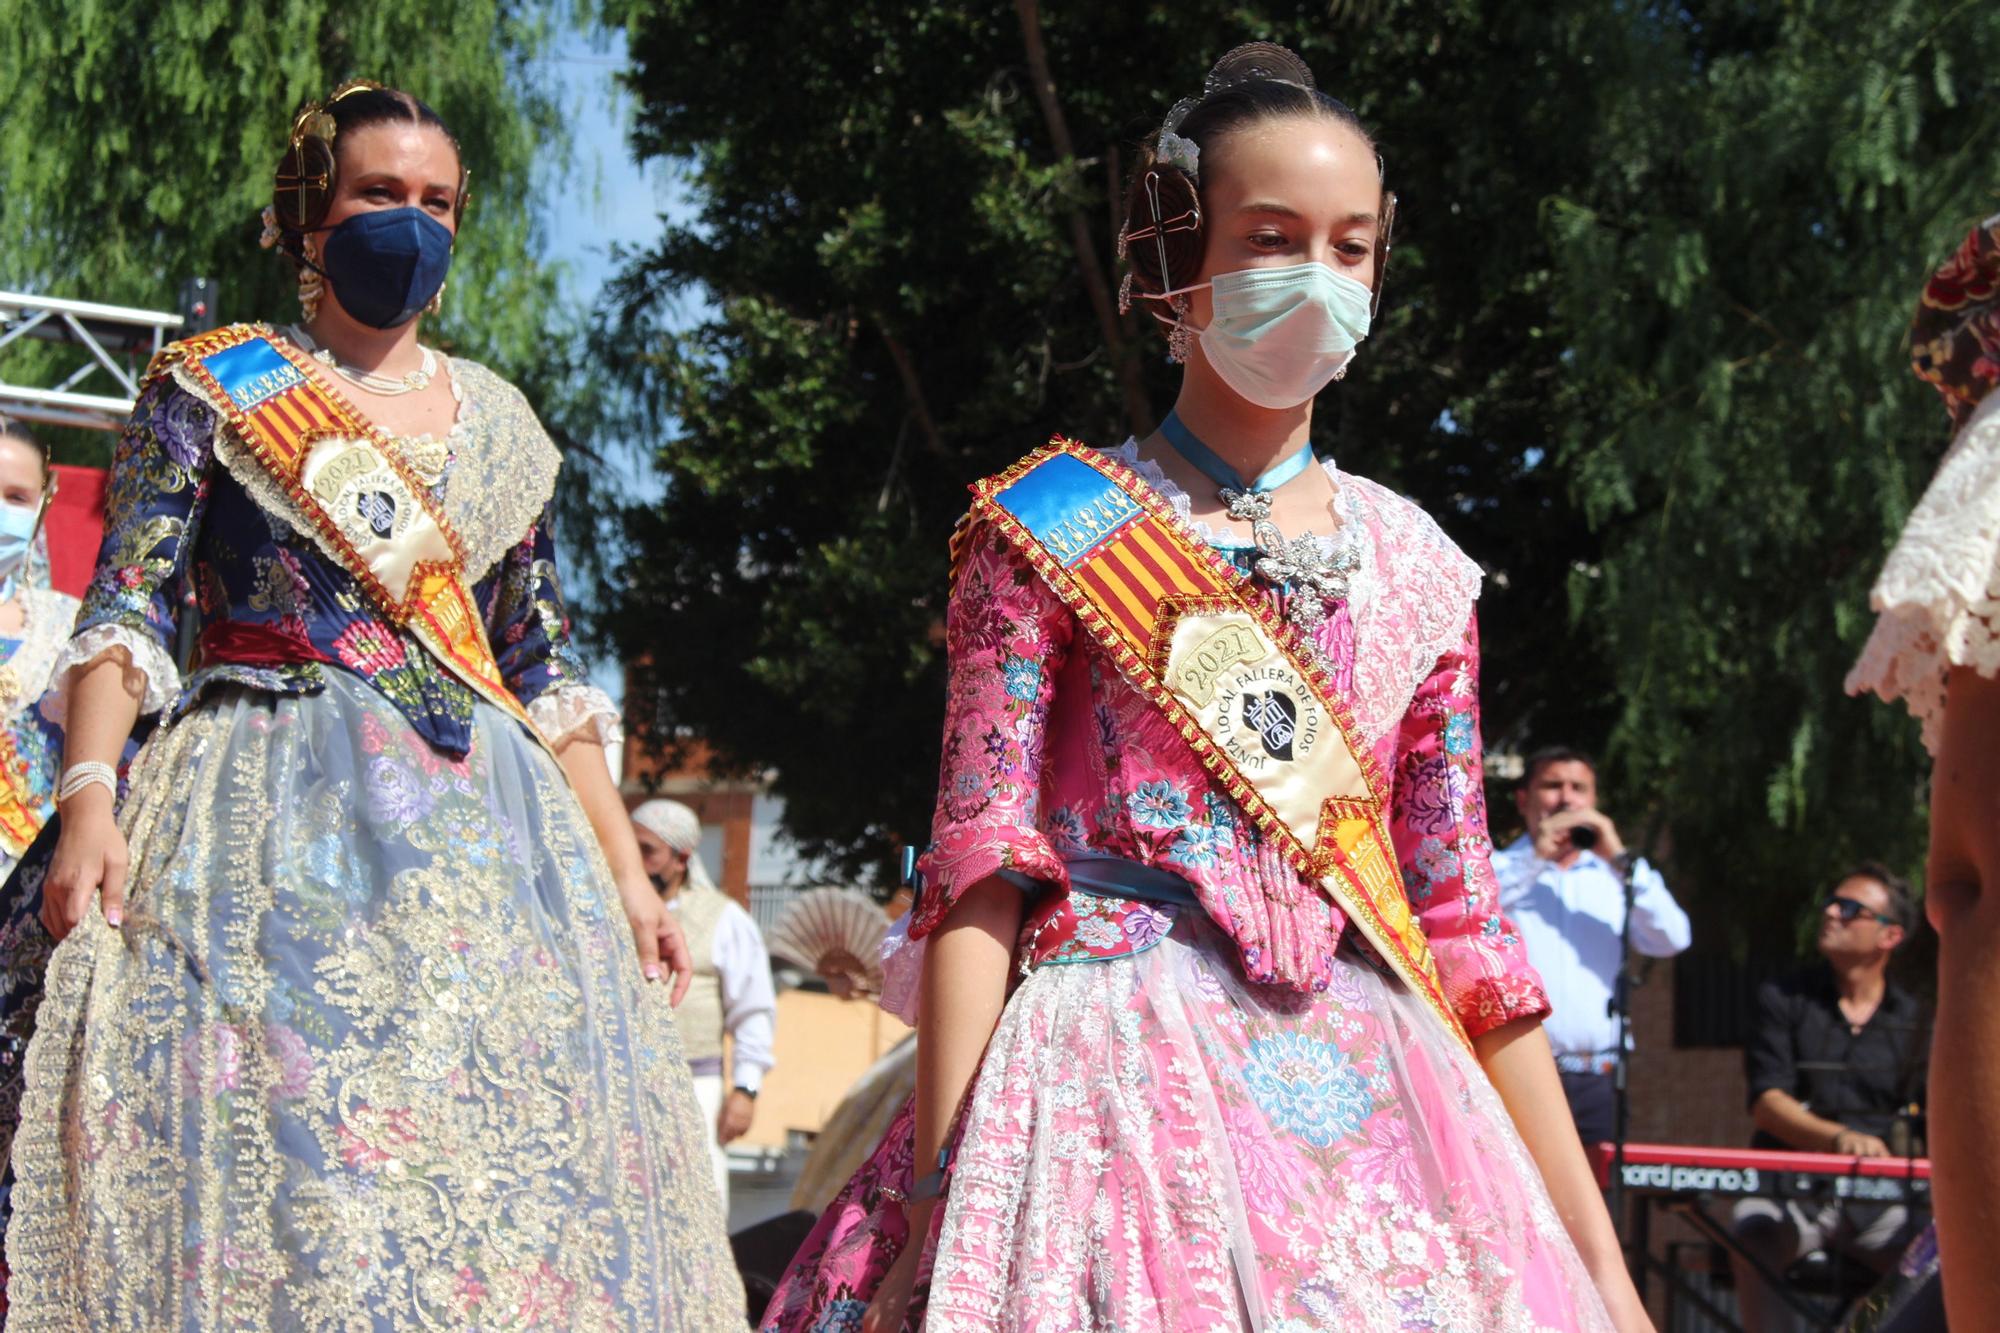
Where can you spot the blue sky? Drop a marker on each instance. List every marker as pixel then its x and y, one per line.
pixel 601 198
pixel 599 201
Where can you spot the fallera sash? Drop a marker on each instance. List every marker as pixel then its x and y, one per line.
pixel 20 816
pixel 1190 634
pixel 342 473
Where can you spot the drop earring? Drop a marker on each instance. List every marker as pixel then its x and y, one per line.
pixel 312 283
pixel 1180 338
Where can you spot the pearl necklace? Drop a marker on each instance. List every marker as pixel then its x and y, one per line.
pixel 388 386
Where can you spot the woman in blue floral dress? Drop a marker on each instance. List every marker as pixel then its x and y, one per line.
pixel 347 1028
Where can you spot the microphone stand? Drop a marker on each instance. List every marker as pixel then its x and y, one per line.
pixel 1619 1007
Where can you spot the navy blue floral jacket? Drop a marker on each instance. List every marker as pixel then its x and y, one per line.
pixel 274 612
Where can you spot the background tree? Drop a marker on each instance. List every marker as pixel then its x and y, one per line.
pixel 1769 187
pixel 139 141
pixel 902 213
pixel 1642 354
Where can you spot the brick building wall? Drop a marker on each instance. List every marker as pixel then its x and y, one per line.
pixel 1692 1095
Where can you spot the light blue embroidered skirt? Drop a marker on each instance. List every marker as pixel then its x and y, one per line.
pixel 371 1050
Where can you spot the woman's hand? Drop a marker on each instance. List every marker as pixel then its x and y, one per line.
pixel 91 856
pixel 891 1306
pixel 656 932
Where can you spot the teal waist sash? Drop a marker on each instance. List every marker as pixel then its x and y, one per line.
pixel 1113 910
pixel 1114 877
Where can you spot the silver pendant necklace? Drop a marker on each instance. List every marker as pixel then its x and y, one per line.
pixel 1313 574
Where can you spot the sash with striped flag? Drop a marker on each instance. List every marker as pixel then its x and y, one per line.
pixel 1190 633
pixel 21 816
pixel 349 483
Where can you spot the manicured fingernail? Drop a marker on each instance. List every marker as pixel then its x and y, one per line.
pixel 653 973
pixel 115 917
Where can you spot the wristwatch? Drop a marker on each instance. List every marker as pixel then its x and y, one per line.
pixel 751 1093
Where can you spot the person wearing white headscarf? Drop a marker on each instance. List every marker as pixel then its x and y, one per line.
pixel 731 994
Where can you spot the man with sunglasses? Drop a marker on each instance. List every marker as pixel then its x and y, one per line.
pixel 1836 1064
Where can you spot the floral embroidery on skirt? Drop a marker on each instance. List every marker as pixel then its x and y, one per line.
pixel 1153 1143
pixel 370 1051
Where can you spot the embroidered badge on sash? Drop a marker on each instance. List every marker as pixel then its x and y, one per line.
pixel 1235 679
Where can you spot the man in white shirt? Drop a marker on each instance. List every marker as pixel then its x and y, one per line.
pixel 731 994
pixel 1563 887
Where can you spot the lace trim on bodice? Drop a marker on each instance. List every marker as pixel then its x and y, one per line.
pixel 1409 600
pixel 498 468
pixel 505 473
pixel 1938 596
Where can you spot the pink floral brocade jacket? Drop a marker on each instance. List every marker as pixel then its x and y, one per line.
pixel 1048 750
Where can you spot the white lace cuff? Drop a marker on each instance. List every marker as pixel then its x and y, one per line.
pixel 1938 597
pixel 564 709
pixel 141 654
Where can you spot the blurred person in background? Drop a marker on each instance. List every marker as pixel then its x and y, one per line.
pixel 1835 1064
pixel 731 996
pixel 1562 884
pixel 1936 646
pixel 35 622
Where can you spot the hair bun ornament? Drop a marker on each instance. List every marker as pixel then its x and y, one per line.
pixel 1175 151
pixel 304 186
pixel 1257 62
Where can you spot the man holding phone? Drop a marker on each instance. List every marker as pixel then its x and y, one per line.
pixel 1562 884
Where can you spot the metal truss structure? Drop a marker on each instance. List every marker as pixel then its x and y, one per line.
pixel 104 331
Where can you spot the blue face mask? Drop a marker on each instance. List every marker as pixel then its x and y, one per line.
pixel 385 266
pixel 17 529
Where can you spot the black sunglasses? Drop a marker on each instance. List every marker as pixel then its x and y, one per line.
pixel 1850 908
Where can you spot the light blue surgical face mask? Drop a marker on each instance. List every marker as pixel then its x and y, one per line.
pixel 17 530
pixel 1279 335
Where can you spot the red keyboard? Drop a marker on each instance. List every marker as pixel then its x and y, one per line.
pixel 1664 1168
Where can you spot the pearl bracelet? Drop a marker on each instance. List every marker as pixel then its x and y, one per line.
pixel 88 774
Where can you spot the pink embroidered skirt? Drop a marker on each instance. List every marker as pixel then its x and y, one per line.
pixel 1152 1143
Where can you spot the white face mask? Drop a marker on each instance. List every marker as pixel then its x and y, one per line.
pixel 17 534
pixel 1278 335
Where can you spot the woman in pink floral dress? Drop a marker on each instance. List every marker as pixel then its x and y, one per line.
pixel 1213 1106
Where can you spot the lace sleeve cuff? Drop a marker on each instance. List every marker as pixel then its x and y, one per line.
pixel 970 853
pixel 139 650
pixel 1938 598
pixel 567 709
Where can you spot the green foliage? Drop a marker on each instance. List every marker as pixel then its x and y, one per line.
pixel 1642 354
pixel 1735 279
pixel 139 142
